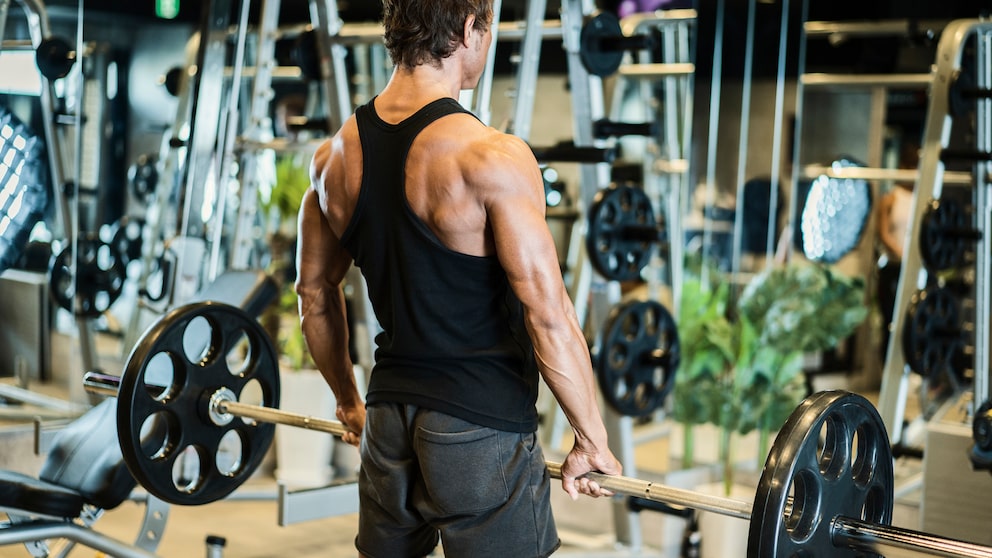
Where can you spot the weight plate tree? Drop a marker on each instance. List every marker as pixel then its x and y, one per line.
pixel 638 357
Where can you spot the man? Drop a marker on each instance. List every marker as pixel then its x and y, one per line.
pixel 445 218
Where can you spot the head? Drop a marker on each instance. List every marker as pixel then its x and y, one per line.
pixel 428 31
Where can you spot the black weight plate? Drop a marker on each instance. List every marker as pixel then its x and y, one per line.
pixel 98 281
pixel 932 339
pixel 127 238
pixel 613 251
pixel 831 459
pixel 596 59
pixel 55 57
pixel 143 176
pixel 169 441
pixel 940 248
pixel 638 357
pixel 982 428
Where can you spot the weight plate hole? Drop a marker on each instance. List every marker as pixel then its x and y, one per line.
pixel 198 340
pixel 833 448
pixel 620 388
pixel 239 357
pixel 631 326
pixel 160 377
pixel 862 457
pixel 801 518
pixel 618 356
pixel 187 469
pixel 252 394
pixel 158 435
pixel 874 509
pixel 230 454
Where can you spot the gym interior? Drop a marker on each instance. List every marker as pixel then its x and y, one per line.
pixel 772 218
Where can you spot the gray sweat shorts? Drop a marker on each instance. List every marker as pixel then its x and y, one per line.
pixel 427 476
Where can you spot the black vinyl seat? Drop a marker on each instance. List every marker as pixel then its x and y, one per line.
pixel 84 466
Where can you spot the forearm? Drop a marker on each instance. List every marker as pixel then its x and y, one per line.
pixel 325 329
pixel 563 360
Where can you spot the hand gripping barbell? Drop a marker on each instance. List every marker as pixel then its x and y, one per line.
pixel 826 488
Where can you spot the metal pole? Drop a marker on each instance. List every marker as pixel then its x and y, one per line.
pixel 983 217
pixel 716 81
pixel 742 144
pixel 777 134
pixel 530 59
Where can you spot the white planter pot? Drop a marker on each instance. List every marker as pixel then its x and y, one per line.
pixel 724 536
pixel 303 457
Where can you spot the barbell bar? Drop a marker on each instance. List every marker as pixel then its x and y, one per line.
pixel 832 452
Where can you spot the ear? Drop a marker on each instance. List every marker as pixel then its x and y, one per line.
pixel 468 29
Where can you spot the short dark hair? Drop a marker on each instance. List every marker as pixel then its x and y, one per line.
pixel 427 31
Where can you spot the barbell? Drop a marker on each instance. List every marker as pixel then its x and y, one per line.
pixel 826 488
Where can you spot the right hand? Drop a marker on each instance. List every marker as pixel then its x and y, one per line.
pixel 580 461
pixel 353 417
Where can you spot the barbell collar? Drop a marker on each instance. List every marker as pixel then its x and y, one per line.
pixel 647 233
pixel 848 532
pixel 657 357
pixel 101 384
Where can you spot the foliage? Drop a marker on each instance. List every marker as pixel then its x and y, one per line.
pixel 292 346
pixel 741 366
pixel 282 205
pixel 292 181
pixel 804 307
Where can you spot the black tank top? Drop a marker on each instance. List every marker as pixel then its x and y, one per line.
pixel 454 339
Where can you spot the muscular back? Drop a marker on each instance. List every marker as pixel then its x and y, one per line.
pixel 449 175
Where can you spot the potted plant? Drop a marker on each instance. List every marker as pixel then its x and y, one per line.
pixel 741 367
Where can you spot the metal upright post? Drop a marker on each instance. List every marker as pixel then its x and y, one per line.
pixel 334 85
pixel 742 144
pixel 228 131
pixel 484 90
pixel 527 71
pixel 983 211
pixel 716 82
pixel 202 150
pixel 257 130
pixel 4 6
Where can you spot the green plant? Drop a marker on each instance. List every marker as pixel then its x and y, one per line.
pixel 280 206
pixel 293 351
pixel 741 365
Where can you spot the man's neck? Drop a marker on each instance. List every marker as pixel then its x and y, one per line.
pixel 425 82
